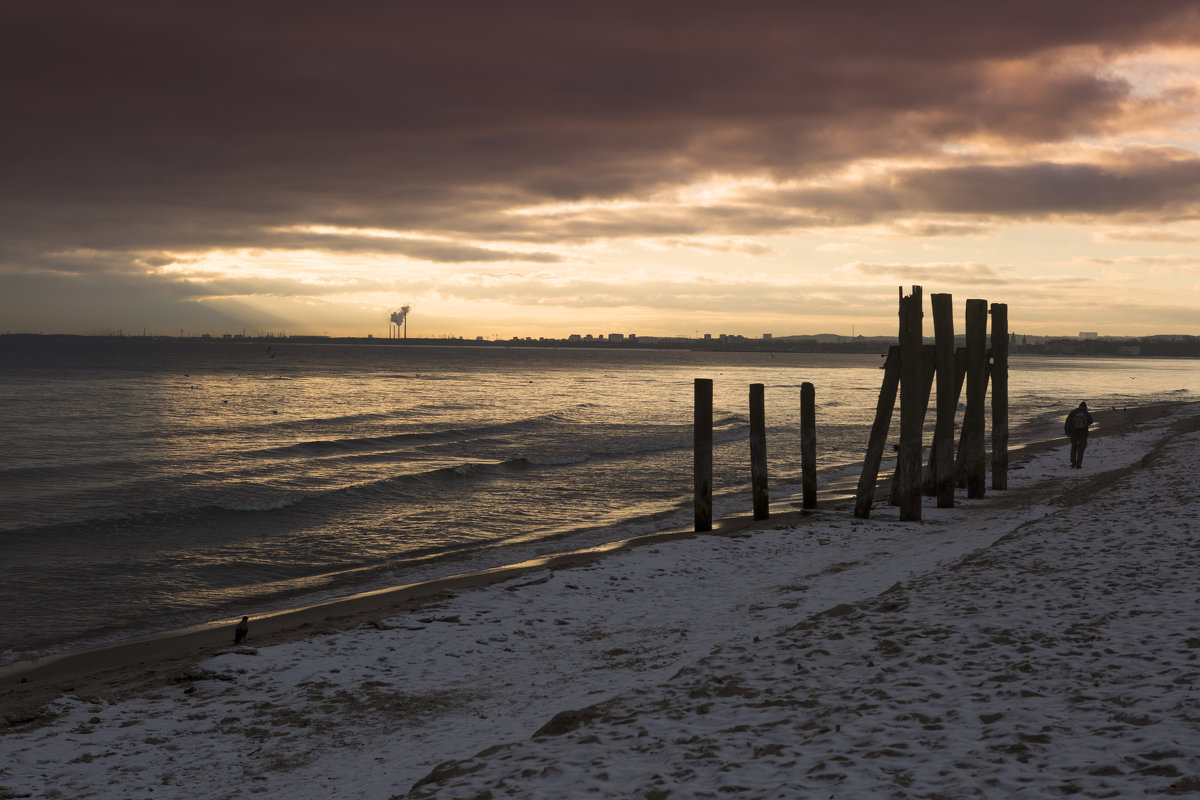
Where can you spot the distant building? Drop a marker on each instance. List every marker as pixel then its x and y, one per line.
pixel 574 337
pixel 1089 335
pixel 768 336
pixel 616 337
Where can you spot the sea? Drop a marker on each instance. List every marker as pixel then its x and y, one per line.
pixel 150 484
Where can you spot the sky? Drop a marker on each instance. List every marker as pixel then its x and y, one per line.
pixel 546 168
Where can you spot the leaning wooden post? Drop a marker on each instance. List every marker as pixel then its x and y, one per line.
pixel 974 419
pixel 999 396
pixel 758 452
pixel 908 462
pixel 941 456
pixel 808 443
pixel 703 448
pixel 879 432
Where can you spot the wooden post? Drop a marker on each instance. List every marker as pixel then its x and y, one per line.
pixel 999 396
pixel 927 370
pixel 941 455
pixel 960 375
pixel 808 443
pixel 879 432
pixel 908 462
pixel 703 449
pixel 758 452
pixel 974 419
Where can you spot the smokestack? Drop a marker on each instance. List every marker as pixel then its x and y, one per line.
pixel 399 320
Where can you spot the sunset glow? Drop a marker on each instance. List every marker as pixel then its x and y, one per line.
pixel 657 169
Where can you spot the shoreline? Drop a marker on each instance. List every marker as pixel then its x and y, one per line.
pixel 1024 642
pixel 133 663
pixel 127 666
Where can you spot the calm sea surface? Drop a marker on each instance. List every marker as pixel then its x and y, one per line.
pixel 149 484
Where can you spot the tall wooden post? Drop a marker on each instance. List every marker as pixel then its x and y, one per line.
pixel 908 463
pixel 999 396
pixel 960 376
pixel 927 370
pixel 879 432
pixel 941 455
pixel 974 420
pixel 758 452
pixel 808 443
pixel 703 450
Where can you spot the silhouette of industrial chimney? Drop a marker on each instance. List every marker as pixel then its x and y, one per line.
pixel 400 320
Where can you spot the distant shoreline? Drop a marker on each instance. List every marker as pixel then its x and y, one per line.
pixel 1131 347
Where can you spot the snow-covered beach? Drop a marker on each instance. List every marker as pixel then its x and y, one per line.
pixel 1038 642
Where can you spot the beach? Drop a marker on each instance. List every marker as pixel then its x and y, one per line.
pixel 1039 641
pixel 148 486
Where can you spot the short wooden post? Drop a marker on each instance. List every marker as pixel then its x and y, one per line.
pixel 703 449
pixel 999 396
pixel 808 443
pixel 758 452
pixel 941 455
pixel 974 419
pixel 908 462
pixel 879 432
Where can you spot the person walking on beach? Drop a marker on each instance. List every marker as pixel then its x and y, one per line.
pixel 1076 428
pixel 243 628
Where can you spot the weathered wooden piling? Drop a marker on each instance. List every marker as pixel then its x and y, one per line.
pixel 808 443
pixel 999 396
pixel 879 431
pixel 703 452
pixel 960 376
pixel 974 468
pixel 941 454
pixel 912 410
pixel 928 366
pixel 758 452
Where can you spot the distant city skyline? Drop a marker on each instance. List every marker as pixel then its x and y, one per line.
pixel 549 168
pixel 611 336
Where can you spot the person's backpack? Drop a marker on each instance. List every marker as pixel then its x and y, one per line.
pixel 1080 422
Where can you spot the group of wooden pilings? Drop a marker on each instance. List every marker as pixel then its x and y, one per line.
pixel 913 365
pixel 703 445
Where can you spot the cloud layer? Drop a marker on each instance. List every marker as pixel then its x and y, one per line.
pixel 523 133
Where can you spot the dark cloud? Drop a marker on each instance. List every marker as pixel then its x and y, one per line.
pixel 253 114
pixel 1164 182
pixel 136 129
pixel 1150 182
